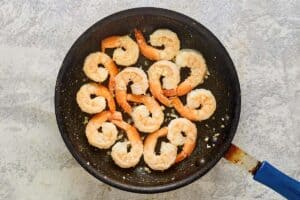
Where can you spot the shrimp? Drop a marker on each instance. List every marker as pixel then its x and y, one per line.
pixel 97 104
pixel 139 86
pixel 160 37
pixel 119 152
pixel 122 57
pixel 99 74
pixel 171 78
pixel 105 138
pixel 175 129
pixel 197 98
pixel 194 60
pixel 141 114
pixel 168 151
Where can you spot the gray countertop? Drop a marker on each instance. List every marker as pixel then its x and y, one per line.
pixel 262 38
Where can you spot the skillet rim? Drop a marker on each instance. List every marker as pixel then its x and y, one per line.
pixel 176 184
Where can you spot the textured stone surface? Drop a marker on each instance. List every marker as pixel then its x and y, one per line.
pixel 261 36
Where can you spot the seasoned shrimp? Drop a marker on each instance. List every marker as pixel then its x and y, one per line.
pixel 122 57
pixel 168 151
pixel 91 68
pixel 171 78
pixel 194 60
pixel 161 37
pixel 197 98
pixel 107 137
pixel 97 104
pixel 139 86
pixel 99 74
pixel 175 129
pixel 119 152
pixel 141 114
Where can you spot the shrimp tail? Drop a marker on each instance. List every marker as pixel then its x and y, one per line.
pixel 139 37
pixel 183 110
pixel 110 100
pixel 159 94
pixel 132 134
pixel 109 42
pixel 120 94
pixel 135 98
pixel 175 101
pixel 186 152
pixel 116 116
pixel 111 85
pixel 113 71
pixel 147 51
pixel 170 92
pixel 184 88
pixel 181 90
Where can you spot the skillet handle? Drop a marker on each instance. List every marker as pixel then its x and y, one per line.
pixel 278 181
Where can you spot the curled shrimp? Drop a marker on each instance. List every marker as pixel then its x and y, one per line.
pixel 119 152
pixel 139 85
pixel 175 129
pixel 171 78
pixel 122 57
pixel 94 105
pixel 197 98
pixel 108 135
pixel 141 114
pixel 168 151
pixel 194 60
pixel 160 37
pixel 99 74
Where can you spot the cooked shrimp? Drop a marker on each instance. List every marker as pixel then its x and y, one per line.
pixel 122 57
pixel 139 86
pixel 91 68
pixel 168 151
pixel 175 129
pixel 171 75
pixel 194 60
pixel 97 104
pixel 119 152
pixel 99 74
pixel 161 37
pixel 105 138
pixel 141 114
pixel 197 98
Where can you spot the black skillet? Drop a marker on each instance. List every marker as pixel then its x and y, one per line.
pixel 214 135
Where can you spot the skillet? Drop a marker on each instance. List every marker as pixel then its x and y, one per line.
pixel 214 135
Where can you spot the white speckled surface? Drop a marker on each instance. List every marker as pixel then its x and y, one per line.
pixel 262 38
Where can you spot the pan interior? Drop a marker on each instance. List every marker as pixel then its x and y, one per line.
pixel 214 134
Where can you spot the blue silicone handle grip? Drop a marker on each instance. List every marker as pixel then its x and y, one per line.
pixel 278 181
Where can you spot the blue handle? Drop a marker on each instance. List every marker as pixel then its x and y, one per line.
pixel 278 181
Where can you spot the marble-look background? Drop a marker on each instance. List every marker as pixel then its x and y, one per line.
pixel 261 36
